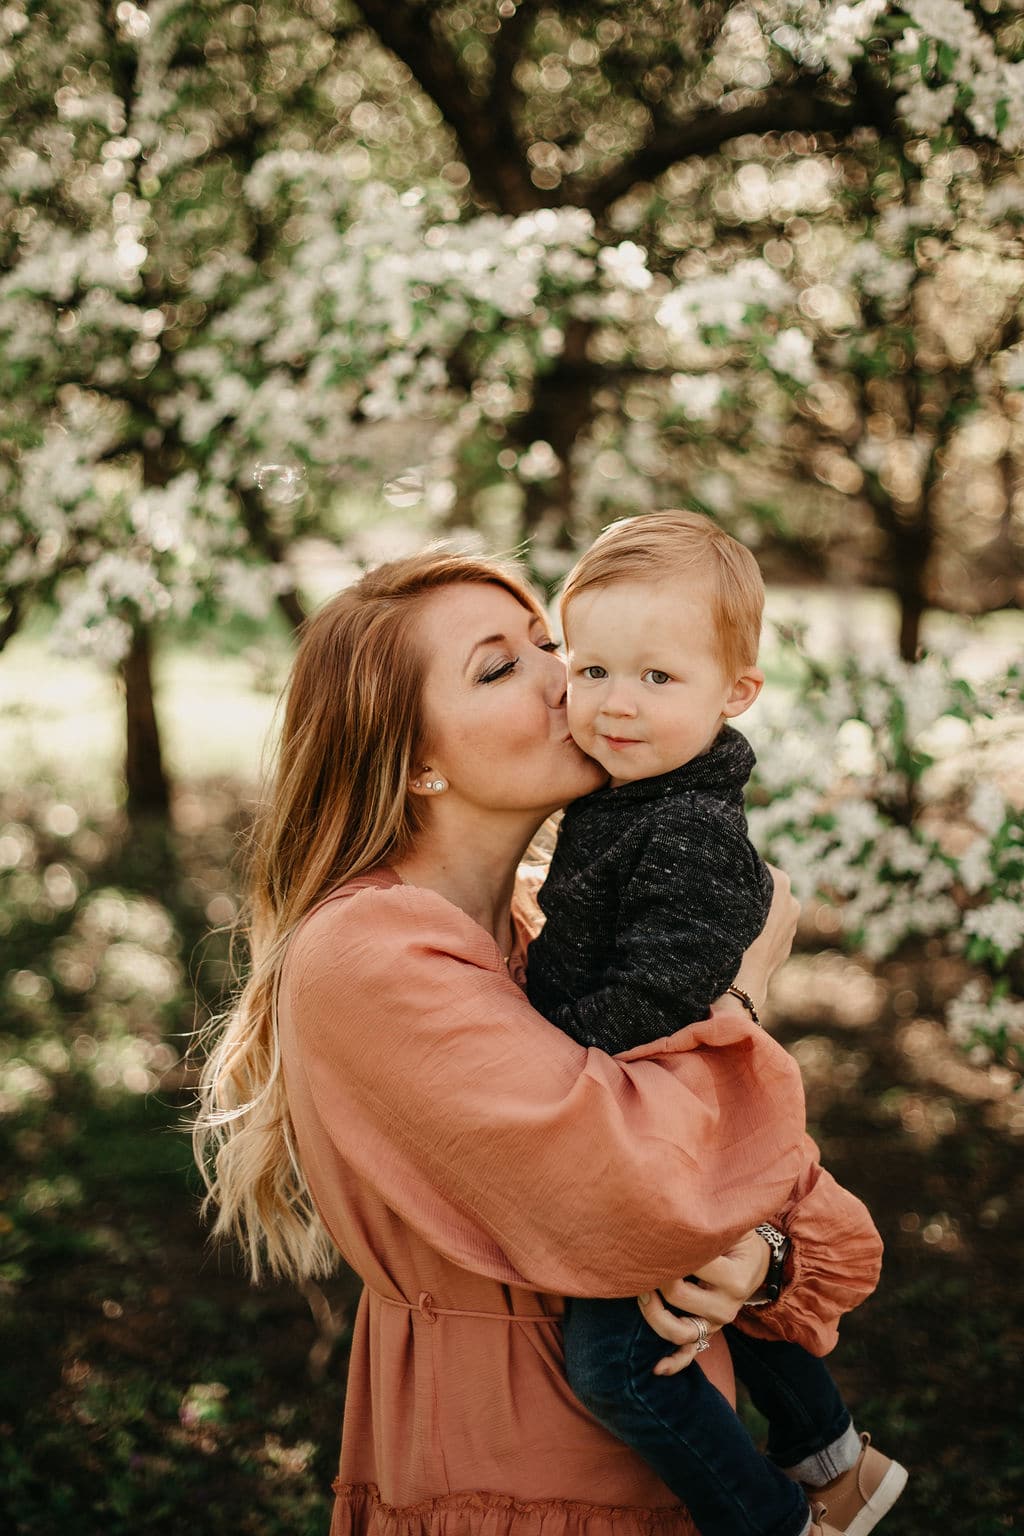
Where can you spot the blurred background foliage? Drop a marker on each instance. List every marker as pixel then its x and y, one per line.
pixel 287 289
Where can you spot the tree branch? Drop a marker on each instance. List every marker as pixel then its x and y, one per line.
pixel 484 128
pixel 703 135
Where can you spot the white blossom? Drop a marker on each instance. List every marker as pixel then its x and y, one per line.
pixel 697 395
pixel 975 867
pixel 539 462
pixel 928 109
pixel 839 36
pixel 626 264
pixel 1001 922
pixel 726 299
pixel 792 352
pixel 1013 368
pixel 987 807
pixel 974 1017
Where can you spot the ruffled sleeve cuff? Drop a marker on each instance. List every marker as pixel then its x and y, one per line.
pixel 834 1263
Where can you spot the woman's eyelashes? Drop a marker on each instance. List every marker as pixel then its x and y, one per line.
pixel 492 673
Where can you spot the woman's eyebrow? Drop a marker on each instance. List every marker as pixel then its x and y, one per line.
pixel 487 640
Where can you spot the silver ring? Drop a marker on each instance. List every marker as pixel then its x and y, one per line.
pixel 702 1334
pixel 701 1347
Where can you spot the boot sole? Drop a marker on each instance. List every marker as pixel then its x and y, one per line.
pixel 880 1503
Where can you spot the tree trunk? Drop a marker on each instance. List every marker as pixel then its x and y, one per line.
pixel 148 793
pixel 910 545
pixel 912 611
pixel 562 409
pixel 11 622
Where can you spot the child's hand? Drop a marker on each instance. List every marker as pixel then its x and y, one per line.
pixel 711 1298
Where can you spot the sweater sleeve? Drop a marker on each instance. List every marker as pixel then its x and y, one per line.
pixel 512 1150
pixel 698 897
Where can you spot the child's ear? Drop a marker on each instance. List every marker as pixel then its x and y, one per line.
pixel 743 692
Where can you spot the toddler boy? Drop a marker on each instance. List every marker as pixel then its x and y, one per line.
pixel 653 895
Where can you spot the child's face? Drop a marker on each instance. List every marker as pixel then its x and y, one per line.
pixel 647 692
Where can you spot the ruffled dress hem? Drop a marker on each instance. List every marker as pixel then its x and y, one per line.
pixel 360 1511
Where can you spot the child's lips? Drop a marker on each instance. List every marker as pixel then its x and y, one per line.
pixel 617 742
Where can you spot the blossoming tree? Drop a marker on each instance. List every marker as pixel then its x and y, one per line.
pixel 610 252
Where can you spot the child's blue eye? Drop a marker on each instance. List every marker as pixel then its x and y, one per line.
pixel 657 676
pixel 593 672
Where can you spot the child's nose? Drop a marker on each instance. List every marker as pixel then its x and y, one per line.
pixel 619 700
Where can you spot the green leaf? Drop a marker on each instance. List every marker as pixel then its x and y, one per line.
pixel 946 60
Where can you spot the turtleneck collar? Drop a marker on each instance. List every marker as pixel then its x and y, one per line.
pixel 722 771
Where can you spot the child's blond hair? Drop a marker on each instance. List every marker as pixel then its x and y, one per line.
pixel 655 546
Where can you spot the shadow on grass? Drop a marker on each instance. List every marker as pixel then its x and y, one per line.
pixel 144 1385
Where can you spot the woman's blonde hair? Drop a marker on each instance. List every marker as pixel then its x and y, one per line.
pixel 655 547
pixel 353 727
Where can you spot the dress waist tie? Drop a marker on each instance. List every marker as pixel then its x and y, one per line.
pixel 428 1310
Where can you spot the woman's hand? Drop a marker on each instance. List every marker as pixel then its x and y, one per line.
pixel 773 943
pixel 715 1293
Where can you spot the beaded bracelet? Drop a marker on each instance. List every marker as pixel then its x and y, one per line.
pixel 746 1000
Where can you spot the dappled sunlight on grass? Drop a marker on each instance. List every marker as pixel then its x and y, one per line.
pixel 62 720
pixel 153 1384
pixel 146 1383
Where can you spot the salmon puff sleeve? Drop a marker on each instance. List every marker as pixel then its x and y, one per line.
pixel 835 1262
pixel 513 1151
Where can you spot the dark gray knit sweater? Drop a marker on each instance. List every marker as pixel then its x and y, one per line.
pixel 654 893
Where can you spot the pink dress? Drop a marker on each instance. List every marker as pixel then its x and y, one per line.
pixel 475 1165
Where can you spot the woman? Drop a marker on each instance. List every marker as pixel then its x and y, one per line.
pixel 383 1087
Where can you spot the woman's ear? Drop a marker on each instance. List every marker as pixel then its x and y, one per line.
pixel 427 782
pixel 744 691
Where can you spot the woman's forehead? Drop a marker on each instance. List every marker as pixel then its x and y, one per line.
pixel 461 621
pixel 464 606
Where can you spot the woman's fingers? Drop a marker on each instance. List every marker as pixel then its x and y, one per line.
pixel 740 1272
pixel 711 1298
pixel 689 1333
pixel 711 1301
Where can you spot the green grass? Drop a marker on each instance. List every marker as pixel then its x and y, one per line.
pixel 143 1383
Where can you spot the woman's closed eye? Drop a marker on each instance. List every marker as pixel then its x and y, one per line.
pixel 492 672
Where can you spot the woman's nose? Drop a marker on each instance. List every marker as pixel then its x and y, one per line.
pixel 556 679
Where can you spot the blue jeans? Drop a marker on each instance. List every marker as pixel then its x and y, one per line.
pixel 685 1429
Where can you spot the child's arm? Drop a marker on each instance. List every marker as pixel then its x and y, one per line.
pixel 697 898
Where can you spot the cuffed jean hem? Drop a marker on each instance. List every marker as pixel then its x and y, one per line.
pixel 795 1392
pixel 822 1466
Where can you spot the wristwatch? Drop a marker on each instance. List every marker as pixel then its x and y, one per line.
pixel 779 1245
